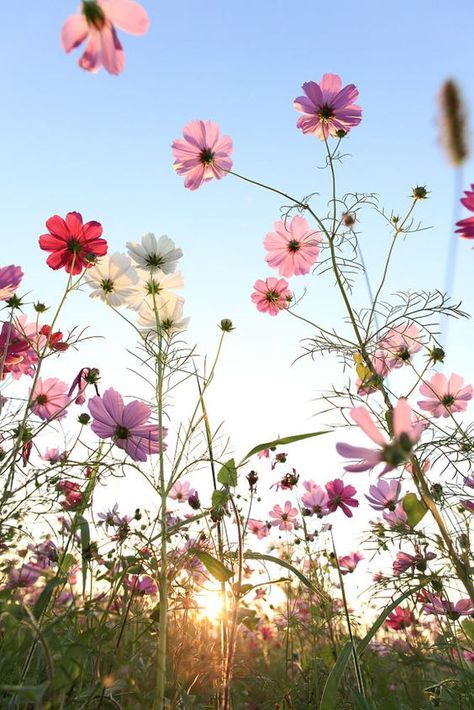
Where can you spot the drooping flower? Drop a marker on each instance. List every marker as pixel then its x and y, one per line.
pixel 328 109
pixel 464 607
pixel 466 225
pixel 271 296
pixel 112 279
pixel 399 345
pixel 293 247
pixel 315 500
pixel 153 288
pixel 341 496
pixel 55 340
pixel 284 517
pixel 203 154
pixel 10 279
pixel 96 22
pixel 443 396
pixel 258 528
pixel 384 495
pixel 392 453
pixel 49 398
pixel 155 254
pixel 126 424
pixel 348 563
pixel 86 376
pixel 400 618
pixel 74 246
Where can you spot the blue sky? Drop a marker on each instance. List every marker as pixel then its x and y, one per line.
pixel 101 145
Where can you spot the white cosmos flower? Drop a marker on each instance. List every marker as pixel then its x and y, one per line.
pixel 155 253
pixel 112 278
pixel 170 315
pixel 155 282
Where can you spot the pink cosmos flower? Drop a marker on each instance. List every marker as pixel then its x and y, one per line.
pixel 10 279
pixel 16 354
pixel 49 398
pixel 399 619
pixel 444 397
pixel 125 424
pixel 348 563
pixel 341 496
pixel 54 456
pixel 466 226
pixel 141 585
pixel 384 495
pixel 271 296
pixel 258 528
pixel 315 500
pixel 400 344
pixel 73 245
pixel 392 453
pixel 292 248
pixel 203 154
pixel 96 22
pixel 181 491
pixel 264 454
pixel 404 561
pixel 26 576
pixel 284 518
pixel 328 109
pixel 464 607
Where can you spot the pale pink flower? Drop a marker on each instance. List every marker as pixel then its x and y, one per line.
pixel 271 296
pixel 125 424
pixel 392 453
pixel 54 456
pixel 328 109
pixel 341 496
pixel 348 563
pixel 385 494
pixel 396 519
pixel 400 344
pixel 10 279
pixel 284 517
pixel 49 398
pixel 264 454
pixel 464 607
pixel 181 491
pixel 96 22
pixel 258 528
pixel 203 154
pixel 466 225
pixel 443 396
pixel 293 247
pixel 315 500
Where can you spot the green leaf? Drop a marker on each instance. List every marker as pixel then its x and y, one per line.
pixel 66 562
pixel 468 628
pixel 45 596
pixel 218 570
pixel 219 498
pixel 329 696
pixel 83 525
pixel 228 474
pixel 280 442
pixel 414 508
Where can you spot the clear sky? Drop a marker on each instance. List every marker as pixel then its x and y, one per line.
pixel 101 145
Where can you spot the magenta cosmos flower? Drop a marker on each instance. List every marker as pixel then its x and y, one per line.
pixel 10 279
pixel 284 517
pixel 466 226
pixel 400 618
pixel 392 453
pixel 49 398
pixel 96 22
pixel 341 496
pixel 125 424
pixel 464 607
pixel 271 296
pixel 328 108
pixel 293 247
pixel 203 154
pixel 444 397
pixel 73 245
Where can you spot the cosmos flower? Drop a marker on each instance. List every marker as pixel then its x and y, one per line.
pixel 328 108
pixel 127 425
pixel 181 491
pixel 17 355
pixel 10 279
pixel 391 453
pixel 152 253
pixel 49 398
pixel 271 296
pixel 96 22
pixel 112 279
pixel 466 226
pixel 73 245
pixel 203 154
pixel 400 344
pixel 170 314
pixel 284 517
pixel 399 619
pixel 154 287
pixel 443 396
pixel 341 496
pixel 293 247
pixel 315 500
pixel 258 528
pixel 348 563
pixel 140 585
pixel 464 607
pixel 385 494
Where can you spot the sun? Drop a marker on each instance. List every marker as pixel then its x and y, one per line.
pixel 209 604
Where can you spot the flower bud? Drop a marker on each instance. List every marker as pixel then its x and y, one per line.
pixel 40 307
pixel 83 418
pixel 226 325
pixel 419 193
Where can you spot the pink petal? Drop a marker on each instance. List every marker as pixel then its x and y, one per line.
pixel 128 15
pixel 90 60
pixel 401 418
pixel 362 417
pixel 113 56
pixel 74 32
